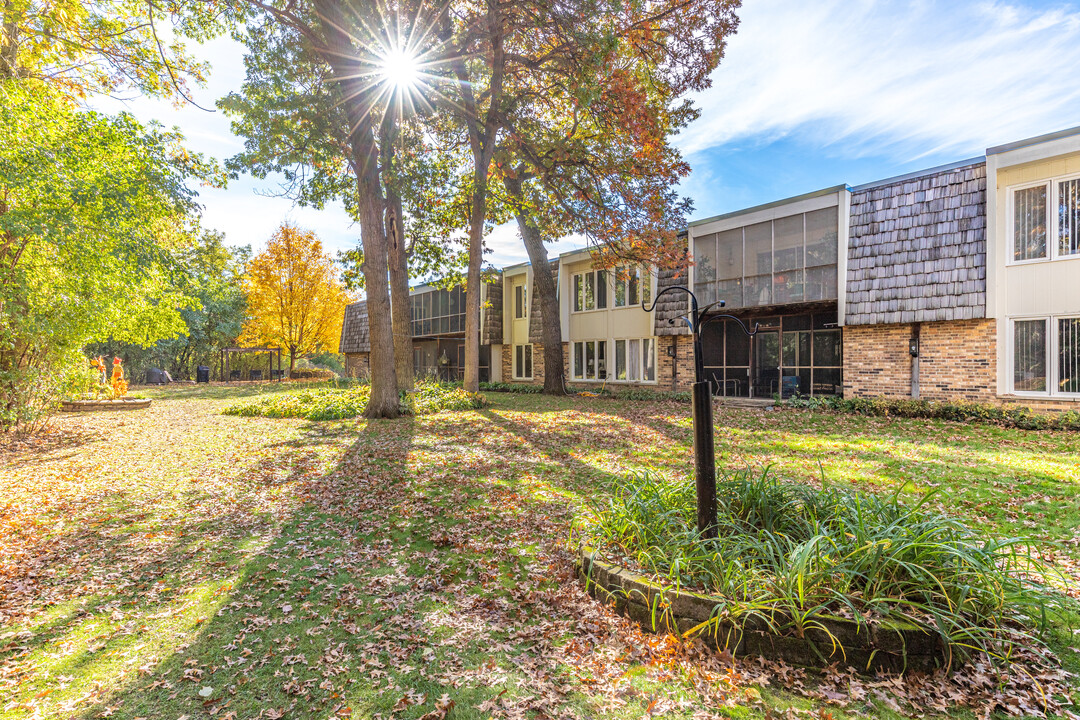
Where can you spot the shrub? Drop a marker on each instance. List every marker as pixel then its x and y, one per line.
pixel 512 387
pixel 791 554
pixel 305 374
pixel 342 399
pixel 1016 417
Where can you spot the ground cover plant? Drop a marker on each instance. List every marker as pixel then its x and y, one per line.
pixel 1016 417
pixel 343 400
pixel 795 556
pixel 367 569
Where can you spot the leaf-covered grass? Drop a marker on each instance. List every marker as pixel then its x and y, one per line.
pixel 349 401
pixel 360 568
pixel 793 555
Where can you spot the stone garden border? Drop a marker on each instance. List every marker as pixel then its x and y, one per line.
pixel 104 405
pixel 865 646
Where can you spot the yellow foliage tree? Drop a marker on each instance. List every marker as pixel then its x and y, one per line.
pixel 295 298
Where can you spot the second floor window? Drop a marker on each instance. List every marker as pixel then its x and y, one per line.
pixel 521 305
pixel 1046 220
pixel 590 290
pixel 632 286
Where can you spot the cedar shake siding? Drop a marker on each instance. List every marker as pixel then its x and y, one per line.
pixel 491 327
pixel 354 330
pixel 917 248
pixel 672 306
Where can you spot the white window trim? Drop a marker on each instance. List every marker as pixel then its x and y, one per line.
pixel 610 359
pixel 609 296
pixel 1053 349
pixel 646 274
pixel 513 361
pixel 1052 201
pixel 524 301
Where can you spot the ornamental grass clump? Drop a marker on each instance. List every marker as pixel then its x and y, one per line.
pixel 792 556
pixel 339 402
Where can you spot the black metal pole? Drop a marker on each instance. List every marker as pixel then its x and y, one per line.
pixel 704 445
pixel 704 460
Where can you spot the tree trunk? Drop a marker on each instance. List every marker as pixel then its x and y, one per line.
pixel 399 293
pixel 472 278
pixel 357 99
pixel 546 292
pixel 401 305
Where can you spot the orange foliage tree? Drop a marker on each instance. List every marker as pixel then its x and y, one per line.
pixel 295 296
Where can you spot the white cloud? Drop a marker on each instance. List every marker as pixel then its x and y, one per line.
pixel 880 76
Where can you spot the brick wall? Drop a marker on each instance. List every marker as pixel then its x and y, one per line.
pixel 675 374
pixel 957 360
pixel 876 361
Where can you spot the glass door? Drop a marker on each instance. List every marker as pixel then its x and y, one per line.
pixel 766 363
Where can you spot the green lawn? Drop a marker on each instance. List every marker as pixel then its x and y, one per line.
pixel 180 562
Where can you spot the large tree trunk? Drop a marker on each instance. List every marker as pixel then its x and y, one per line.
pixel 399 293
pixel 356 100
pixel 400 303
pixel 472 278
pixel 546 291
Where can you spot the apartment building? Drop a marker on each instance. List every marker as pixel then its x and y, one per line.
pixel 959 282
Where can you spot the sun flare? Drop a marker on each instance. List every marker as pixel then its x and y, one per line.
pixel 400 68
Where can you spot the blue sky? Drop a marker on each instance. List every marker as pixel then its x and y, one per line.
pixel 809 95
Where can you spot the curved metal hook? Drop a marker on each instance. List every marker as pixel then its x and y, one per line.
pixel 693 298
pixel 742 325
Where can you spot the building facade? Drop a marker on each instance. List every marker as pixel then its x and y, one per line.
pixel 960 282
pixel 437 325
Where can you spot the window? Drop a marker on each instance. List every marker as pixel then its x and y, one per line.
pixel 523 357
pixel 1040 233
pixel 635 360
pixel 633 286
pixel 521 305
pixel 1069 217
pixel 791 259
pixel 1068 355
pixel 437 312
pixel 1029 223
pixel 590 360
pixel 1029 356
pixel 1045 355
pixel 590 291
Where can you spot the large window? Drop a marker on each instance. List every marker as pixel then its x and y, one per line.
pixel 590 360
pixel 523 359
pixel 633 285
pixel 635 360
pixel 438 312
pixel 1046 220
pixel 787 260
pixel 590 290
pixel 1045 355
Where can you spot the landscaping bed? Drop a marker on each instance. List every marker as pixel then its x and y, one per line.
pixel 814 577
pixel 102 405
pixel 349 401
pixel 868 647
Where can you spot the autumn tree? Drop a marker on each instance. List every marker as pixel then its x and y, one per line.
pixel 569 106
pixel 295 298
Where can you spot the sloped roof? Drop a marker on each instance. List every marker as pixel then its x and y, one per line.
pixel 917 248
pixel 354 329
